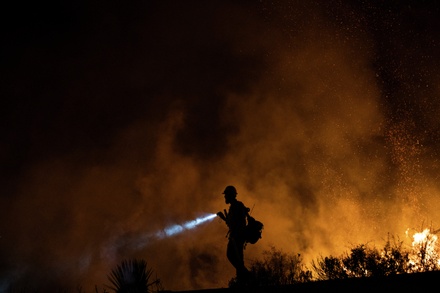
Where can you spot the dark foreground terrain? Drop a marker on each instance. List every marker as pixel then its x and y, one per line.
pixel 416 282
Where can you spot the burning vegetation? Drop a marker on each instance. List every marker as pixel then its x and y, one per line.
pixel 363 260
pixel 424 255
pixel 393 258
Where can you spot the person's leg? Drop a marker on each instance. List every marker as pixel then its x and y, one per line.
pixel 242 271
pixel 235 255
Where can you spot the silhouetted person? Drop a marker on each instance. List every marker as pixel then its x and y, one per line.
pixel 235 218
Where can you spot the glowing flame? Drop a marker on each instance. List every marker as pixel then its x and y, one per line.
pixel 424 255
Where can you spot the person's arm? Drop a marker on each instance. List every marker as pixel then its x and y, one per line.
pixel 223 216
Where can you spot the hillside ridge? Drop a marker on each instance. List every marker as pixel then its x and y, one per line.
pixel 414 282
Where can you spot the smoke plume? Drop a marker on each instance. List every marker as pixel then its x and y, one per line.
pixel 124 119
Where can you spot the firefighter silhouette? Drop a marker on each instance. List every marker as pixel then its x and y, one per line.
pixel 235 219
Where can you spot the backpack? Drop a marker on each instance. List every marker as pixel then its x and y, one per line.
pixel 253 230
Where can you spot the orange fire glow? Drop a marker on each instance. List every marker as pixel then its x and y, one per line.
pixel 424 255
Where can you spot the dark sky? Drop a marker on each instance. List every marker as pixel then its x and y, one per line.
pixel 119 119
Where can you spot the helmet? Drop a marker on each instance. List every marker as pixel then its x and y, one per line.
pixel 230 190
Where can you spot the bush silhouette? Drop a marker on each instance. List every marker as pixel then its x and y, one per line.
pixel 132 276
pixel 364 261
pixel 277 268
pixel 329 268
